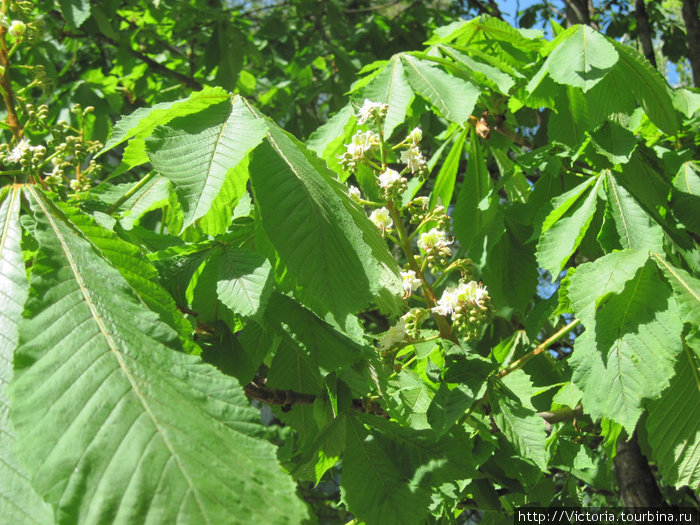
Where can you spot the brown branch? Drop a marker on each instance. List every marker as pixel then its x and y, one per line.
pixel 559 415
pixel 8 95
pixel 183 79
pixel 692 29
pixel 274 396
pixel 644 31
pixel 637 486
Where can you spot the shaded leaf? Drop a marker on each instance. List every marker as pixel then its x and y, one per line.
pixel 453 97
pixel 673 426
pixel 196 152
pixel 627 356
pixel 107 413
pixel 19 502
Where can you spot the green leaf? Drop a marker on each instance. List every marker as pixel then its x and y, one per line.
pixel 196 152
pixel 245 281
pixel 143 121
pixel 453 97
pixel 649 87
pixel 469 212
pixel 686 101
pixel 565 226
pixel 672 427
pixel 152 195
pixel 324 348
pixel 391 87
pixel 593 283
pixel 510 273
pixel 105 412
pixel 516 417
pixel 685 196
pixel 389 470
pixel 141 276
pixel 582 59
pixel 570 122
pixel 446 177
pixel 615 142
pixel 225 206
pixel 634 227
pixel 686 289
pixel 75 11
pixel 493 75
pixel 19 503
pixel 627 356
pixel 309 222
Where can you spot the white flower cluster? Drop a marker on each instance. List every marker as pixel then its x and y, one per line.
pixel 413 157
pixel 410 282
pixel 391 183
pixel 354 193
pixel 433 240
pixel 463 297
pixel 382 219
pixel 370 110
pixel 24 151
pixel 362 143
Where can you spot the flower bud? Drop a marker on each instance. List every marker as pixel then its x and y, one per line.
pixel 17 28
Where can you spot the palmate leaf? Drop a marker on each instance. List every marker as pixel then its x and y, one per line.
pixel 152 195
pixel 197 151
pixel 565 226
pixel 316 230
pixel 673 426
pixel 391 87
pixel 686 289
pixel 453 97
pixel 648 86
pixel 582 59
pixel 626 357
pixel 389 470
pixel 516 417
pixel 245 281
pixel 19 503
pixel 116 427
pixel 634 227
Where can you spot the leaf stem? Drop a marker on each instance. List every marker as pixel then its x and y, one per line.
pixel 515 365
pixel 136 187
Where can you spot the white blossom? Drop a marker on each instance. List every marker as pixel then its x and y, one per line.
pixel 416 135
pixel 414 159
pixel 388 178
pixel 19 151
pixel 434 239
pixel 393 335
pixel 368 110
pixel 354 193
pixel 382 219
pixel 362 142
pixel 457 298
pixel 410 282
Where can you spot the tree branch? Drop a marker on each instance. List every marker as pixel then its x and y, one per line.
pixel 183 79
pixel 644 31
pixel 5 84
pixel 692 29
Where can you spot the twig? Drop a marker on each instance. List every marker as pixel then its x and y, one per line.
pixel 515 365
pixel 7 93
